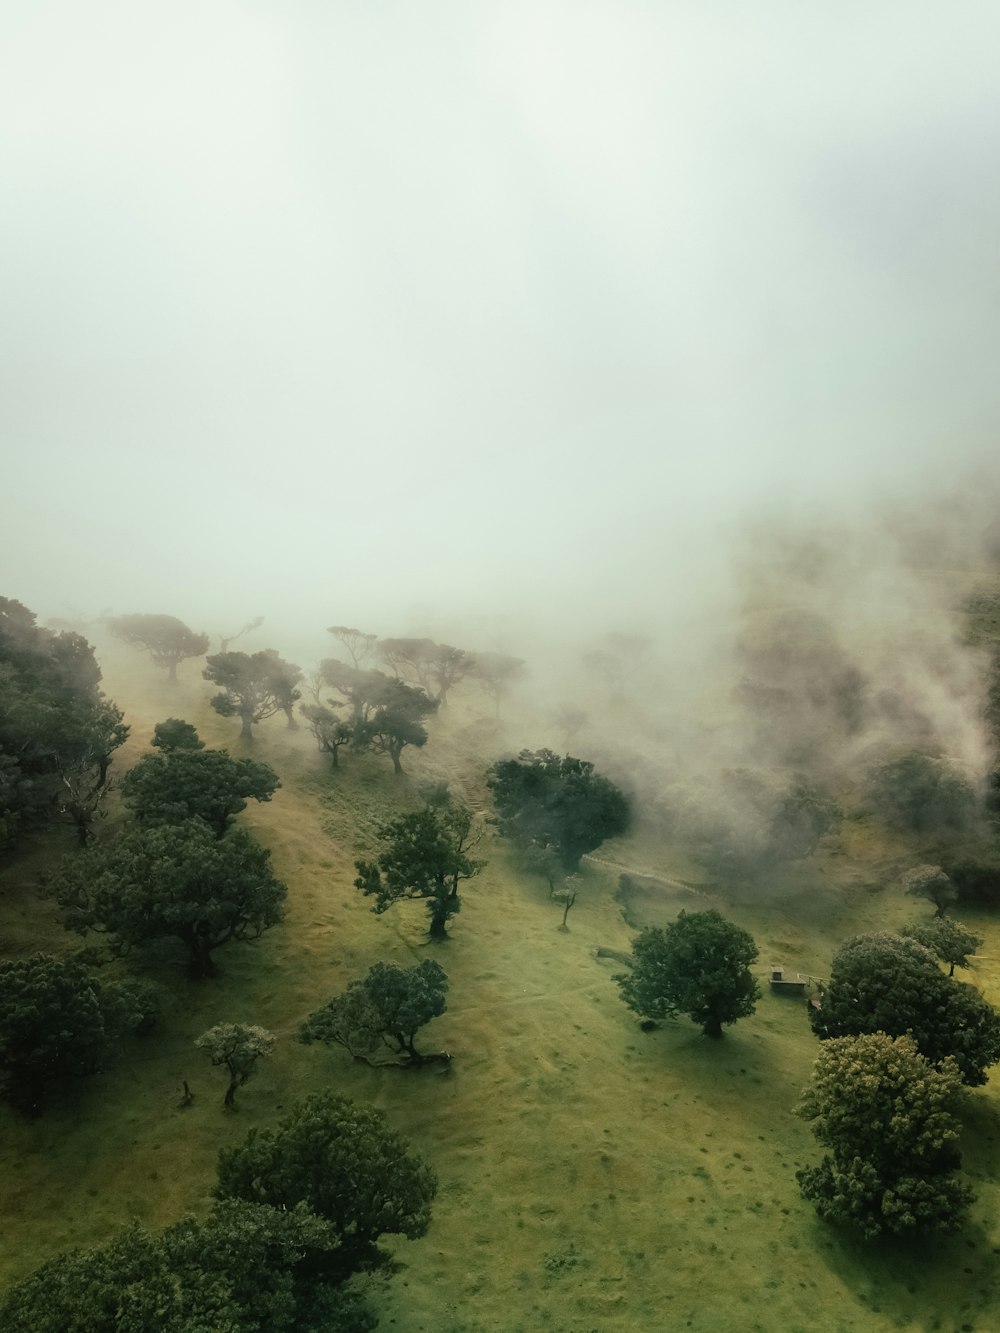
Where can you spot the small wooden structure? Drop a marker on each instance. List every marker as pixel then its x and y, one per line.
pixel 788 985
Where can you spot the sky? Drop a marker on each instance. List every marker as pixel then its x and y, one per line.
pixel 372 312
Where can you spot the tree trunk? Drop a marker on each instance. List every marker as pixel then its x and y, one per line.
pixel 246 732
pixel 713 1028
pixel 292 724
pixel 231 1094
pixel 202 964
pixel 395 752
pixel 172 671
pixel 438 929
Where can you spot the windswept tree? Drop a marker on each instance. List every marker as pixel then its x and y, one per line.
pixel 248 628
pixel 888 1117
pixel 386 1008
pixel 237 1047
pixel 435 667
pixel 888 983
pixel 362 689
pixel 341 1162
pixel 172 881
pixel 425 855
pixel 546 801
pixel 947 939
pixel 332 733
pixel 184 783
pixel 497 674
pixel 932 883
pixel 176 734
pixel 253 686
pixel 699 965
pixel 57 1020
pixel 397 721
pixel 285 681
pixel 167 640
pixel 360 647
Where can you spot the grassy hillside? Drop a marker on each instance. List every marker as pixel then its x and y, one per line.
pixel 593 1177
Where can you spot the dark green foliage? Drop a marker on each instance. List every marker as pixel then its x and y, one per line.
pixel 238 1047
pixel 397 720
pixel 254 686
pixel 175 880
pixel 362 688
pixel 387 1007
pixel 425 855
pixel 57 1020
pixel 57 730
pixel 247 1267
pixel 949 940
pixel 167 639
pixel 545 801
pixel 932 883
pixel 183 783
pixel 331 731
pixel 699 966
pixel 887 1116
pixel 343 1163
pixel 919 793
pixel 887 983
pixel 176 734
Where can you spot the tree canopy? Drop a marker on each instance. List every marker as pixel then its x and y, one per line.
pixel 946 938
pixel 176 734
pixel 425 854
pixel 887 1115
pixel 331 732
pixel 887 983
pixel 698 965
pixel 397 720
pixel 181 783
pixel 436 667
pixel 254 686
pixel 342 1162
pixel 921 793
pixel 57 1020
pixel 174 880
pixel 546 801
pixel 167 639
pixel 247 1267
pixel 387 1007
pixel 238 1047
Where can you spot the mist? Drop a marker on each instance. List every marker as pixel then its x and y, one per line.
pixel 513 318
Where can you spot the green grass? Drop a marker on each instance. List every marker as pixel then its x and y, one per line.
pixel 592 1176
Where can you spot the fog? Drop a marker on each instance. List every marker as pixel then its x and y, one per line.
pixel 514 317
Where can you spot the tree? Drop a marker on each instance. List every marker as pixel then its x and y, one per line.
pixel 888 983
pixel 246 1267
pixel 699 965
pixel 948 940
pixel 932 883
pixel 425 855
pixel 172 881
pixel 385 1008
pixel 248 628
pixel 362 689
pixel 58 732
pixel 436 667
pixel 497 673
pixel 180 784
pixel 167 639
pixel 569 720
pixel 360 646
pixel 331 731
pixel 343 1163
pixel 887 1115
pixel 398 721
pixel 921 793
pixel 176 734
pixel 57 1021
pixel 254 687
pixel 558 803
pixel 238 1047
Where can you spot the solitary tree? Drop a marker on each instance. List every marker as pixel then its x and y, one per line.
pixel 253 687
pixel 563 804
pixel 948 939
pixel 425 854
pixel 921 793
pixel 179 784
pixel 57 1021
pixel 238 1047
pixel 176 880
pixel 932 883
pixel 346 1167
pixel 397 721
pixel 359 645
pixel 385 1008
pixel 887 983
pixel 331 732
pixel 167 639
pixel 176 734
pixel 699 965
pixel 887 1116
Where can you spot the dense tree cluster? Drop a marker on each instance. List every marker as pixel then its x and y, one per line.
pixel 253 687
pixel 58 732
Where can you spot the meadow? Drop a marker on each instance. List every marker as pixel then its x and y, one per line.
pixel 592 1176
